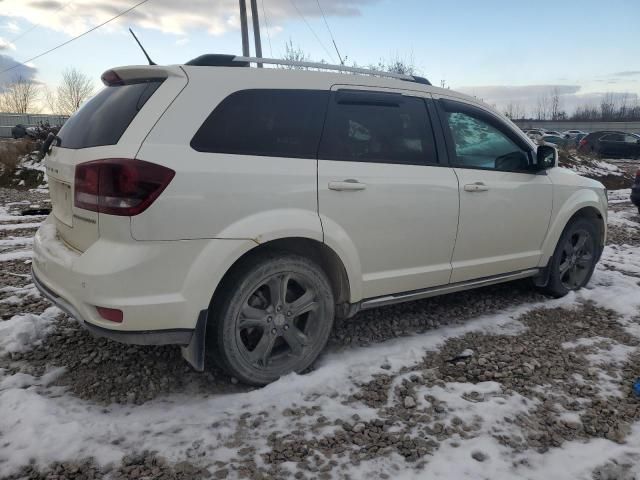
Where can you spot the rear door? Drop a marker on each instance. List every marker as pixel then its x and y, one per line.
pixel 112 124
pixel 504 207
pixel 383 189
pixel 612 144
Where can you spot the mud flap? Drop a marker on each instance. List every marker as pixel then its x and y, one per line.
pixel 542 279
pixel 194 352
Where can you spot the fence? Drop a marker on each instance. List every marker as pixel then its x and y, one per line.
pixel 9 120
pixel 628 127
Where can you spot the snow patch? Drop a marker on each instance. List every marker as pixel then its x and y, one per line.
pixel 22 332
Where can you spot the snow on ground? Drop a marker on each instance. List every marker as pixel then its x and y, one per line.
pixel 619 196
pixel 592 167
pixel 417 423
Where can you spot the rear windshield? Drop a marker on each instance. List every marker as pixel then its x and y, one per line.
pixel 104 118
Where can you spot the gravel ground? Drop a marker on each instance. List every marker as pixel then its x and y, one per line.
pixel 563 375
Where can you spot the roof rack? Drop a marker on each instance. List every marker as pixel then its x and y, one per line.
pixel 215 60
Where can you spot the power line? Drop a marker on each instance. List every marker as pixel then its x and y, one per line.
pixel 330 32
pixel 124 12
pixel 266 24
pixel 36 25
pixel 312 31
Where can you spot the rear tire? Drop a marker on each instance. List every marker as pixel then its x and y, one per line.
pixel 274 319
pixel 574 259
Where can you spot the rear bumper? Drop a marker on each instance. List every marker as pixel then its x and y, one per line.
pixel 161 287
pixel 178 336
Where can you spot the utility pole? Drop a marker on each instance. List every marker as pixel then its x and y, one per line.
pixel 245 29
pixel 256 29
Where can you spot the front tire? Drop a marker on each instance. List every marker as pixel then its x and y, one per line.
pixel 275 319
pixel 574 259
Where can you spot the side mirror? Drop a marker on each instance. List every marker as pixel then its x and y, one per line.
pixel 547 157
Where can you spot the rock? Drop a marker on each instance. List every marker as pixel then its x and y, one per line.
pixel 358 427
pixel 222 473
pixel 479 456
pixel 409 402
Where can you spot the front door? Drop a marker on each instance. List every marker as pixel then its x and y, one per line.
pixel 505 208
pixel 382 190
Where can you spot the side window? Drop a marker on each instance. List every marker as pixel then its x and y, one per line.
pixel 479 143
pixel 613 137
pixel 631 139
pixel 378 127
pixel 277 123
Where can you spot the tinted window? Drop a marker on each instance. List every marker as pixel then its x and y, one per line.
pixel 631 139
pixel 478 142
pixel 104 118
pixel 380 128
pixel 277 123
pixel 613 137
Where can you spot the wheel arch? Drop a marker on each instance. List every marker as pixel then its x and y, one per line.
pixel 319 252
pixel 589 208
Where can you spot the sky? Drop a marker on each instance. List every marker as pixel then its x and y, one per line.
pixel 499 50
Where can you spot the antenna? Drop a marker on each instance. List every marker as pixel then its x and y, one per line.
pixel 151 62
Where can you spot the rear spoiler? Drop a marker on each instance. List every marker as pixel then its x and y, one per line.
pixel 139 74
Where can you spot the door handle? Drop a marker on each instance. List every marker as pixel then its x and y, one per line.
pixel 347 185
pixel 476 187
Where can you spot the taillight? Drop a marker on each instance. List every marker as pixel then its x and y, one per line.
pixel 582 143
pixel 119 186
pixel 638 176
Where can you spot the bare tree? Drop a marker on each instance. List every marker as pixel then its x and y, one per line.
pixel 514 111
pixel 20 96
pixel 608 107
pixel 50 99
pixel 397 64
pixel 555 104
pixel 76 87
pixel 542 107
pixel 294 53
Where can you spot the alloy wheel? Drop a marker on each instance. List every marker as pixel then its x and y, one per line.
pixel 577 258
pixel 278 322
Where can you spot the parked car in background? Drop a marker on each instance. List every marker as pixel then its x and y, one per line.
pixel 577 138
pixel 611 143
pixel 555 140
pixel 573 133
pixel 535 133
pixel 243 219
pixel 635 191
pixel 552 132
pixel 19 131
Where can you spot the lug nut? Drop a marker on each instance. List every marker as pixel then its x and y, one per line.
pixel 274 331
pixel 278 308
pixel 288 314
pixel 286 327
pixel 269 319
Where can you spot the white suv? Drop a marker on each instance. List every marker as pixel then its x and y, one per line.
pixel 242 209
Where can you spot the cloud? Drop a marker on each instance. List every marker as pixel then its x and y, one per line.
pixel 526 97
pixel 182 41
pixel 502 93
pixel 628 73
pixel 6 45
pixel 168 16
pixel 25 71
pixel 11 27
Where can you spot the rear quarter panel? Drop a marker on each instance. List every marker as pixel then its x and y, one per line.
pixel 215 195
